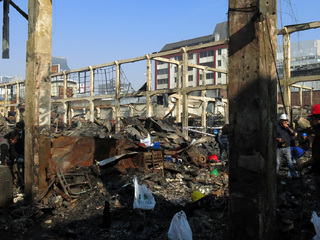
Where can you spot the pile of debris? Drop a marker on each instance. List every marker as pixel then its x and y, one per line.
pixel 96 201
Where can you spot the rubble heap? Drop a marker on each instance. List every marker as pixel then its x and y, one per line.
pixel 96 201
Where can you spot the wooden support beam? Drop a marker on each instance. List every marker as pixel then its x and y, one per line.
pixel 252 113
pixel 38 90
pixel 18 9
pixel 185 113
pixel 18 102
pixel 117 99
pixel 91 103
pixel 298 27
pixel 286 75
pixel 65 97
pixel 148 90
pixel 205 102
pixel 178 100
pixel 5 30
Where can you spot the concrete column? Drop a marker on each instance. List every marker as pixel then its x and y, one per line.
pixel 38 90
pixel 252 118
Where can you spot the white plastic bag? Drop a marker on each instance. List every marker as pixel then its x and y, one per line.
pixel 316 223
pixel 143 198
pixel 179 227
pixel 146 141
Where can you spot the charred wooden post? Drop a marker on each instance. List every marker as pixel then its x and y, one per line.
pixel 38 90
pixel 65 97
pixel 149 84
pixel 184 93
pixel 116 97
pixel 178 100
pixel 6 100
pixel 91 102
pixel 252 99
pixel 286 75
pixel 204 102
pixel 17 102
pixel 5 30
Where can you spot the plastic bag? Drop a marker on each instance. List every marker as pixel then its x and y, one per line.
pixel 143 198
pixel 146 141
pixel 316 223
pixel 179 227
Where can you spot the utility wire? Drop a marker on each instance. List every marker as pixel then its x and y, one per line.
pixel 275 62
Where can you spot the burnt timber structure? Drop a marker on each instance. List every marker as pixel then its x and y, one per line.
pixel 39 106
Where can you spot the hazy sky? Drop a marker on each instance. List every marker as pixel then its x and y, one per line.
pixel 101 31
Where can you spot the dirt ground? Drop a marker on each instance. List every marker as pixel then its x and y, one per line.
pixel 85 217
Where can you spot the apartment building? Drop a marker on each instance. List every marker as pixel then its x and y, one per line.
pixel 166 74
pixel 305 60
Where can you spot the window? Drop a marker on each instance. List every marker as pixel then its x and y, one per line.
pixel 208 76
pixel 219 74
pixel 206 54
pixel 208 64
pixel 190 68
pixel 178 58
pixel 162 71
pixel 219 51
pixel 160 63
pixel 190 78
pixel 163 81
pixel 219 63
pixel 190 56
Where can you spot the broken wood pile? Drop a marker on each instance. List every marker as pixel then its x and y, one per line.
pixel 96 200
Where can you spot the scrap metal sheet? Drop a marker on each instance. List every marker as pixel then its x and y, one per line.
pixel 68 152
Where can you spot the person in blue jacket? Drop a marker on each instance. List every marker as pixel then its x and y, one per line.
pixel 298 151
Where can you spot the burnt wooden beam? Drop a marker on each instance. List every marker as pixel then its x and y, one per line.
pixel 38 87
pixel 5 30
pixel 252 105
pixel 18 9
pixel 298 27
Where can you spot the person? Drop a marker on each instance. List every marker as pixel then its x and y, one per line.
pixel 284 136
pixel 19 146
pixel 7 152
pixel 298 151
pixel 314 161
pixel 18 162
pixel 223 141
pixel 304 142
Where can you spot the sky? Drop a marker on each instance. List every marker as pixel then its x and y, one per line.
pixel 104 30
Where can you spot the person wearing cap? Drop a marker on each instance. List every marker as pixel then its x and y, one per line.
pixel 284 135
pixel 298 151
pixel 304 142
pixel 314 161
